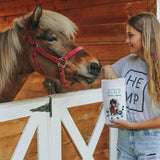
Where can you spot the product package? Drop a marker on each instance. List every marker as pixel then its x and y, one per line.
pixel 114 99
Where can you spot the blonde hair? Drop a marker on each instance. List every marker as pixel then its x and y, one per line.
pixel 148 25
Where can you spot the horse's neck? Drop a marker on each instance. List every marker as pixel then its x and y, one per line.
pixel 20 72
pixel 12 88
pixel 16 81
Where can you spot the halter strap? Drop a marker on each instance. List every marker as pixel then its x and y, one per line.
pixel 61 62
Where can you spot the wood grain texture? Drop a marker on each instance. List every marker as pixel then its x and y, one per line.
pixel 105 13
pixel 102 33
pixel 9 136
pixel 108 51
pixel 72 4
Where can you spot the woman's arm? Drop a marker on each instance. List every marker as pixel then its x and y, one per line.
pixel 149 124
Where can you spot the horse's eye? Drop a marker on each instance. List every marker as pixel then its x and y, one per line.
pixel 52 39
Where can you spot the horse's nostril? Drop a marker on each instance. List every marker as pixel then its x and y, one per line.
pixel 94 68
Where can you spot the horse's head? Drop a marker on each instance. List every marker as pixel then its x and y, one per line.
pixel 53 34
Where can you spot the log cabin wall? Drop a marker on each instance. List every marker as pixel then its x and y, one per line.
pixel 101 26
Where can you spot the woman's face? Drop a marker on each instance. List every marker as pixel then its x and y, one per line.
pixel 134 39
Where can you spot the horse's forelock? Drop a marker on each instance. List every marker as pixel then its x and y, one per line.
pixel 58 23
pixel 51 20
pixel 9 48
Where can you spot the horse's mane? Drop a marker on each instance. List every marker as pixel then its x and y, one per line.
pixel 9 48
pixel 54 21
pixel 10 44
pixel 58 22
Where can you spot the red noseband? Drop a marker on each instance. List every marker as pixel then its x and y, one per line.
pixel 61 62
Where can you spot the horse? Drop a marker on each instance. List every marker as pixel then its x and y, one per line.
pixel 43 41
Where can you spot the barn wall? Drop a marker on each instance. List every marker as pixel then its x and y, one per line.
pixel 101 26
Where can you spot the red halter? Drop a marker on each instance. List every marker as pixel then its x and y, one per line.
pixel 61 62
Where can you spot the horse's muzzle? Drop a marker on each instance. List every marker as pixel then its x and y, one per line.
pixel 94 68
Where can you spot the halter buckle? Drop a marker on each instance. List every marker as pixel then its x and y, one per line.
pixel 62 62
pixel 34 46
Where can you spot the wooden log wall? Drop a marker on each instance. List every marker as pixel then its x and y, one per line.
pixel 101 26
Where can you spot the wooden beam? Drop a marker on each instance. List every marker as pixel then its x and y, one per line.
pixel 102 33
pixel 105 13
pixel 109 51
pixel 72 4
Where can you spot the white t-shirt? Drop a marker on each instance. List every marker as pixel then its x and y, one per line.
pixel 135 72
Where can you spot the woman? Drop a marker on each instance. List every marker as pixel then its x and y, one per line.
pixel 139 136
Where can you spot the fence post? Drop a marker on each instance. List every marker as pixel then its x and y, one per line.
pixel 55 136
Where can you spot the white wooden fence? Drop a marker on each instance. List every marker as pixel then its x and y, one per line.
pixel 49 128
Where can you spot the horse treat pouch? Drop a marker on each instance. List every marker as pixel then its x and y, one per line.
pixel 114 99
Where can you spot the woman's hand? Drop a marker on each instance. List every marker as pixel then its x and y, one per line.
pixel 122 124
pixel 149 124
pixel 108 72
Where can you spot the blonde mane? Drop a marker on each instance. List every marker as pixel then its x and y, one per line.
pixel 54 21
pixel 11 47
pixel 58 23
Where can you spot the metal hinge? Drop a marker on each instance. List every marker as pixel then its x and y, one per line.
pixel 44 108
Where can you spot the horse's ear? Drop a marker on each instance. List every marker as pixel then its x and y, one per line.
pixel 37 13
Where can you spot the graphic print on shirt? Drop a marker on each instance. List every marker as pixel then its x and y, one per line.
pixel 136 83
